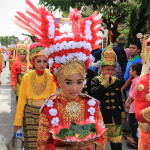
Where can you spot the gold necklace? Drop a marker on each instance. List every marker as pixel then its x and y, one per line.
pixel 38 88
pixel 73 109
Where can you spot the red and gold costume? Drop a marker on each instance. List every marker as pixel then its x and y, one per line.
pixel 142 100
pixel 68 54
pixel 33 92
pixel 18 70
pixel 68 110
pixel 11 58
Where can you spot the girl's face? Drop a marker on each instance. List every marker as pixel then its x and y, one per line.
pixel 72 85
pixel 41 63
pixel 22 56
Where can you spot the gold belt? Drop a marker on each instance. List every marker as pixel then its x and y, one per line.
pixel 37 103
pixel 145 127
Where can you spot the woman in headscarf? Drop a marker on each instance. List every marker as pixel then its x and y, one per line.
pixel 36 86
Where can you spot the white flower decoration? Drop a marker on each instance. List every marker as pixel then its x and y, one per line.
pixel 88 37
pixel 55 70
pixel 53 112
pixel 91 102
pixel 91 110
pixel 57 59
pixel 63 59
pixel 58 47
pixel 63 45
pixel 55 121
pixel 50 103
pixel 78 45
pixel 88 22
pixel 91 117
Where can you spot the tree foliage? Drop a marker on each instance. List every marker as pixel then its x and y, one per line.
pixel 138 19
pixel 7 40
pixel 134 14
pixel 114 12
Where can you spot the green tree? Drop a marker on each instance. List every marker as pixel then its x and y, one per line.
pixel 7 40
pixel 138 19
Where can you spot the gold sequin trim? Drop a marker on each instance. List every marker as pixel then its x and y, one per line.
pixel 108 107
pixel 112 93
pixel 107 94
pixel 107 101
pixel 112 100
pixel 113 107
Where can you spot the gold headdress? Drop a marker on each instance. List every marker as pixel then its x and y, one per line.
pixel 108 57
pixel 67 52
pixel 21 48
pixel 12 48
pixel 36 49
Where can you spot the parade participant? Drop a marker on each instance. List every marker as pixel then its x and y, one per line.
pixel 68 55
pixel 19 68
pixel 107 89
pixel 36 86
pixel 5 57
pixel 142 98
pixel 1 63
pixel 135 71
pixel 11 57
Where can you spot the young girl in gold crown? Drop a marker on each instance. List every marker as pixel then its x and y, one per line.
pixel 68 55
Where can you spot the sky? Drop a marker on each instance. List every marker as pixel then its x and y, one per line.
pixel 8 9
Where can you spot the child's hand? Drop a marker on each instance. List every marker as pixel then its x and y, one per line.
pixel 131 100
pixel 127 105
pixel 14 88
pixel 107 77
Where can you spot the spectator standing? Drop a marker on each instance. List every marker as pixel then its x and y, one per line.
pixel 135 71
pixel 5 58
pixel 134 52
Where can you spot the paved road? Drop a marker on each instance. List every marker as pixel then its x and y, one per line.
pixel 7 111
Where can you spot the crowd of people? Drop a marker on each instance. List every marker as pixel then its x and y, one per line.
pixel 65 78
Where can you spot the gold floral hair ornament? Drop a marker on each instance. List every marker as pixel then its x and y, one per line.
pixel 36 49
pixel 108 57
pixel 62 47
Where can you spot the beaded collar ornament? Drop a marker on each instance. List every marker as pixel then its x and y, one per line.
pixel 67 47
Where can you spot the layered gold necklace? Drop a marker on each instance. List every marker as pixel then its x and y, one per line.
pixel 38 88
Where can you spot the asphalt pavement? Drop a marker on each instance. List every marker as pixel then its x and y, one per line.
pixel 8 108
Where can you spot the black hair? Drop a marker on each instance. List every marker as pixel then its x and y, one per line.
pixel 137 43
pixel 137 67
